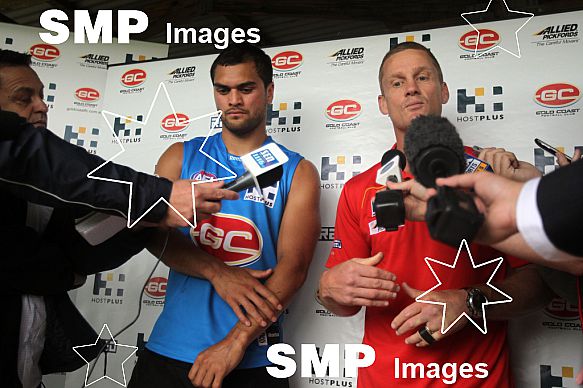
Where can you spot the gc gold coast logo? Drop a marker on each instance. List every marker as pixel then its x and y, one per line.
pixel 234 239
pixel 343 114
pixel 174 126
pixel 285 63
pixel 44 52
pixel 558 99
pixel 87 94
pixel 478 42
pixel 133 78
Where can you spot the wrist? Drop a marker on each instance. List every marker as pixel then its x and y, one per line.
pixel 214 270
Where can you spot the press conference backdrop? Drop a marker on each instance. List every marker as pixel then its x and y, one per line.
pixel 325 107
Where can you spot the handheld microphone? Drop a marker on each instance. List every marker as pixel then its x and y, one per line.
pixel 264 168
pixel 434 150
pixel 388 205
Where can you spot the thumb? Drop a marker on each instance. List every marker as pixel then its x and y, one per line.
pixel 579 378
pixel 257 274
pixel 371 261
pixel 412 292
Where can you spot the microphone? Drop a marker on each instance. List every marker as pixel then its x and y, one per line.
pixel 388 206
pixel 434 150
pixel 247 180
pixel 264 168
pixel 392 162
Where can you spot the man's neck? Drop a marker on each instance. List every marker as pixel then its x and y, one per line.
pixel 241 145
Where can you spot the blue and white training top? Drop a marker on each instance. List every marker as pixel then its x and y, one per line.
pixel 243 234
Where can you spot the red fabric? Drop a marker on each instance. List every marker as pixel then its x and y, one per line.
pixel 580 300
pixel 404 253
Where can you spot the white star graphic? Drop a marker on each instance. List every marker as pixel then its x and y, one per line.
pixel 132 350
pixel 530 16
pixel 105 115
pixel 444 329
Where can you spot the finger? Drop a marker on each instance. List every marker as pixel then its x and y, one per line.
pixel 405 186
pixel 577 156
pixel 370 261
pixel 408 312
pixel 207 207
pixel 193 373
pixel 464 181
pixel 579 378
pixel 236 307
pixel 484 152
pixel 251 311
pixel 376 284
pixel 370 302
pixel 561 159
pixel 208 379
pixel 412 292
pixel 372 294
pixel 269 295
pixel 412 323
pixel 373 272
pixel 265 309
pixel 259 274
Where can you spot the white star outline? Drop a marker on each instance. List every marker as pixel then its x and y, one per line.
pixel 488 283
pixel 105 113
pixel 531 15
pixel 124 384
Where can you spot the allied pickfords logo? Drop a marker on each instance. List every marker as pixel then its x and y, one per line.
pixel 557 34
pixel 336 170
pixel 155 291
pixel 479 42
pixel 174 126
pixel 343 113
pixel 131 80
pixel 232 238
pixel 347 56
pixel 284 117
pixel 480 104
pixel 44 55
pixel 563 316
pixel 182 74
pixel 286 64
pixel 557 98
pixel 98 61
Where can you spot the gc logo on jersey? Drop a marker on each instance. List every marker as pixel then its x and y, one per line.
pixel 234 239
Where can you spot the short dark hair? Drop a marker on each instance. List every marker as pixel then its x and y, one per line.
pixel 9 58
pixel 242 53
pixel 409 46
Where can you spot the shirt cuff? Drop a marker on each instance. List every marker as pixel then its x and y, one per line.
pixel 530 224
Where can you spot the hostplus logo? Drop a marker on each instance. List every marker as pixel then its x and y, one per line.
pixel 423 39
pixel 558 34
pixel 9 41
pixel 335 171
pixel 132 58
pixel 128 130
pixel 108 288
pixel 284 117
pixel 268 195
pixel 85 137
pixel 324 378
pixel 51 94
pixel 548 380
pixel 547 164
pixel 347 56
pixel 480 104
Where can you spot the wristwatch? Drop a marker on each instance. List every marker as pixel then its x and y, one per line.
pixel 474 301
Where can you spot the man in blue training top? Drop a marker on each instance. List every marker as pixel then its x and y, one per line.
pixel 250 238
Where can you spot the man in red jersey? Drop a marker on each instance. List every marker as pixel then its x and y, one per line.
pixel 384 271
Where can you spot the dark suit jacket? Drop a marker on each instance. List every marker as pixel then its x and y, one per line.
pixel 560 202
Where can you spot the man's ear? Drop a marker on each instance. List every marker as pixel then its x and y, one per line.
pixel 444 93
pixel 269 93
pixel 383 105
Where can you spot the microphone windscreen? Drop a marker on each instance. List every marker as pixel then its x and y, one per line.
pixel 433 133
pixel 390 154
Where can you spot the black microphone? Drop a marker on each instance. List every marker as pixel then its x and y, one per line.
pixel 246 180
pixel 389 207
pixel 435 150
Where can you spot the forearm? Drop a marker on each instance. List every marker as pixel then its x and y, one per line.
pixel 180 254
pixel 527 289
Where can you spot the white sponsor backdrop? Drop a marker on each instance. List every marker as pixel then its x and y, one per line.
pixel 325 107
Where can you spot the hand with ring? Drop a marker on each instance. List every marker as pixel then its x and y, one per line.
pixel 426 318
